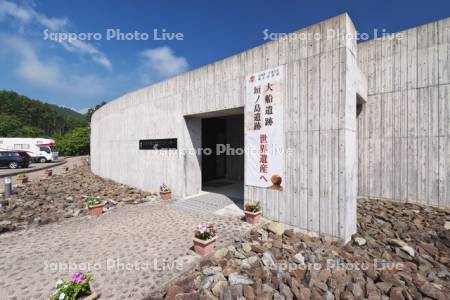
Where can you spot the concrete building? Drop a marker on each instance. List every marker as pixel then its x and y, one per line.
pixel 369 119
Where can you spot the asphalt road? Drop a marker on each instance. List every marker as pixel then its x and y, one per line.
pixel 4 171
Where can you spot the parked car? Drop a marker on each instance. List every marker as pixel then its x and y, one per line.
pixel 14 159
pixel 39 149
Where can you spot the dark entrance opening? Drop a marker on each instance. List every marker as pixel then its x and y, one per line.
pixel 214 132
pixel 223 157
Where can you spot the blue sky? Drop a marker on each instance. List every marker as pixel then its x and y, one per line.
pixel 80 74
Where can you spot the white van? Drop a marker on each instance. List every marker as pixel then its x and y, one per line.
pixel 39 149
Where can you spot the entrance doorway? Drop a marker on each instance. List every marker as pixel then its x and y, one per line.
pixel 214 131
pixel 223 157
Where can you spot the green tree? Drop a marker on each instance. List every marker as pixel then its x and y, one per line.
pixel 21 116
pixel 92 110
pixel 45 119
pixel 29 131
pixel 75 142
pixel 9 125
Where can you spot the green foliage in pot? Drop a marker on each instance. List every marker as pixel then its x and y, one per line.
pixel 93 202
pixel 252 207
pixel 205 232
pixel 73 289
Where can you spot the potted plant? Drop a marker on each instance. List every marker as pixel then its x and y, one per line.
pixel 252 212
pixel 22 178
pixel 48 172
pixel 204 238
pixel 78 287
pixel 95 206
pixel 164 192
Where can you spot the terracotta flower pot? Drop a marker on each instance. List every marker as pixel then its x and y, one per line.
pixel 96 210
pixel 165 195
pixel 252 217
pixel 22 180
pixel 202 247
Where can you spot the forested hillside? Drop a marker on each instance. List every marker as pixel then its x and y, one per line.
pixel 25 117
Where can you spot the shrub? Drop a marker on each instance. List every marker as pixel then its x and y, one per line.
pixel 75 142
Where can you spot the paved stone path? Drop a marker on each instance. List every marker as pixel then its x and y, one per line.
pixel 131 251
pixel 206 203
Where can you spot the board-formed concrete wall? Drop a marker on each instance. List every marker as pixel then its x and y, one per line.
pixel 320 116
pixel 403 130
pixel 320 127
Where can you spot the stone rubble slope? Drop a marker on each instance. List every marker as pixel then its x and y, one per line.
pixel 401 251
pixel 63 196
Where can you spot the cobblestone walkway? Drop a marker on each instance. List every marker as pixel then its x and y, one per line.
pixel 131 251
pixel 205 203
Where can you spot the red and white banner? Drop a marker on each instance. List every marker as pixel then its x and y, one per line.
pixel 264 129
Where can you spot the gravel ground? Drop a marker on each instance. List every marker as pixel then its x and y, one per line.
pixel 131 251
pixel 62 196
pixel 134 248
pixel 401 251
pixel 36 175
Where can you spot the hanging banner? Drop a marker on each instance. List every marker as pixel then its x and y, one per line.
pixel 264 129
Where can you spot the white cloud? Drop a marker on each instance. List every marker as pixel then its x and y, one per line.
pixel 30 67
pixel 13 10
pixel 27 15
pixel 161 62
pixel 52 23
pixel 48 74
pixel 85 48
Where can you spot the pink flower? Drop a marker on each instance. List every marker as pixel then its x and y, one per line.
pixel 201 228
pixel 77 277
